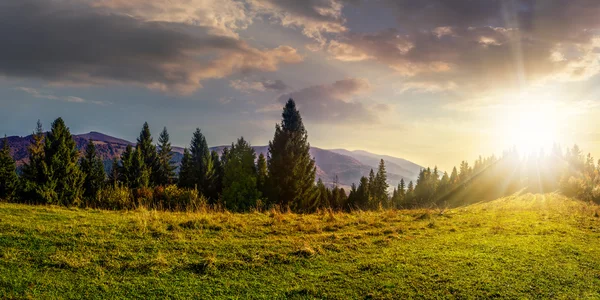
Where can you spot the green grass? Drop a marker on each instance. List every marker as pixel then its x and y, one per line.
pixel 531 246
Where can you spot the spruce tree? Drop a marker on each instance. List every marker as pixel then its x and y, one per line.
pixel 8 173
pixel 33 170
pixel 240 190
pixel 185 179
pixel 291 168
pixel 363 194
pixel 401 193
pixel 214 177
pixel 372 191
pixel 381 185
pixel 165 171
pixel 351 203
pixel 261 179
pixel 198 166
pixel 147 152
pixel 139 175
pixel 62 180
pixel 126 166
pixel 92 167
pixel 113 176
pixel 322 195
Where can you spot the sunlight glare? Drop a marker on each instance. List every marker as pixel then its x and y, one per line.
pixel 530 127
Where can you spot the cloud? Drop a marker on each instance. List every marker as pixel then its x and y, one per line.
pixel 261 85
pixel 335 103
pixel 479 45
pixel 43 95
pixel 66 42
pixel 223 17
pixel 316 18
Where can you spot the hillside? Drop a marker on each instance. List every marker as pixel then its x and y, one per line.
pixel 530 246
pixel 330 163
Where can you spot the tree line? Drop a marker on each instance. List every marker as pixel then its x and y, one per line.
pixel 239 180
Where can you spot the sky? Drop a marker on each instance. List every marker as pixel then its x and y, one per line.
pixel 432 81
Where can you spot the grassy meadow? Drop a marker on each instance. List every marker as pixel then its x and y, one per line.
pixel 532 246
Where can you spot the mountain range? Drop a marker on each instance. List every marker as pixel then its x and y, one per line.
pixel 348 166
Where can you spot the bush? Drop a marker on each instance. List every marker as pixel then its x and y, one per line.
pixel 113 197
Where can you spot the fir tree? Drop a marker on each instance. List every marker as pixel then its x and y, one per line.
pixel 240 190
pixel 291 168
pixel 381 186
pixel 139 175
pixel 185 179
pixel 62 180
pixel 362 194
pixel 165 171
pixel 92 167
pixel 198 166
pixel 147 152
pixel 113 176
pixel 372 187
pixel 8 172
pixel 126 166
pixel 32 172
pixel 214 177
pixel 410 191
pixel 352 196
pixel 454 177
pixel 261 179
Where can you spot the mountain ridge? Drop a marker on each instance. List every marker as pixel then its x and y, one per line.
pixel 348 166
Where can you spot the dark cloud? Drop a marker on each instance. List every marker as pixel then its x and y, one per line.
pixel 334 103
pixel 64 42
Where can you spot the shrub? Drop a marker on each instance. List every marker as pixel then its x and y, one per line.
pixel 114 197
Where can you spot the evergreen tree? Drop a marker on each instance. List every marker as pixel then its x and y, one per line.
pixel 62 180
pixel 291 168
pixel 165 171
pixel 362 194
pixel 147 152
pixel 199 166
pixel 381 186
pixel 240 190
pixel 186 179
pixel 410 191
pixel 126 166
pixel 113 176
pixel 214 177
pixel 402 188
pixel 454 177
pixel 32 172
pixel 372 187
pixel 8 173
pixel 139 175
pixel 261 180
pixel 352 197
pixel 92 167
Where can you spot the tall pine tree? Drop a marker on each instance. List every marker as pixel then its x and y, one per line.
pixel 240 190
pixel 33 170
pixel 261 179
pixel 8 172
pixel 147 152
pixel 186 179
pixel 291 168
pixel 92 167
pixel 381 186
pixel 165 171
pixel 62 181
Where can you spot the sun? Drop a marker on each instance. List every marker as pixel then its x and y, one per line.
pixel 530 127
